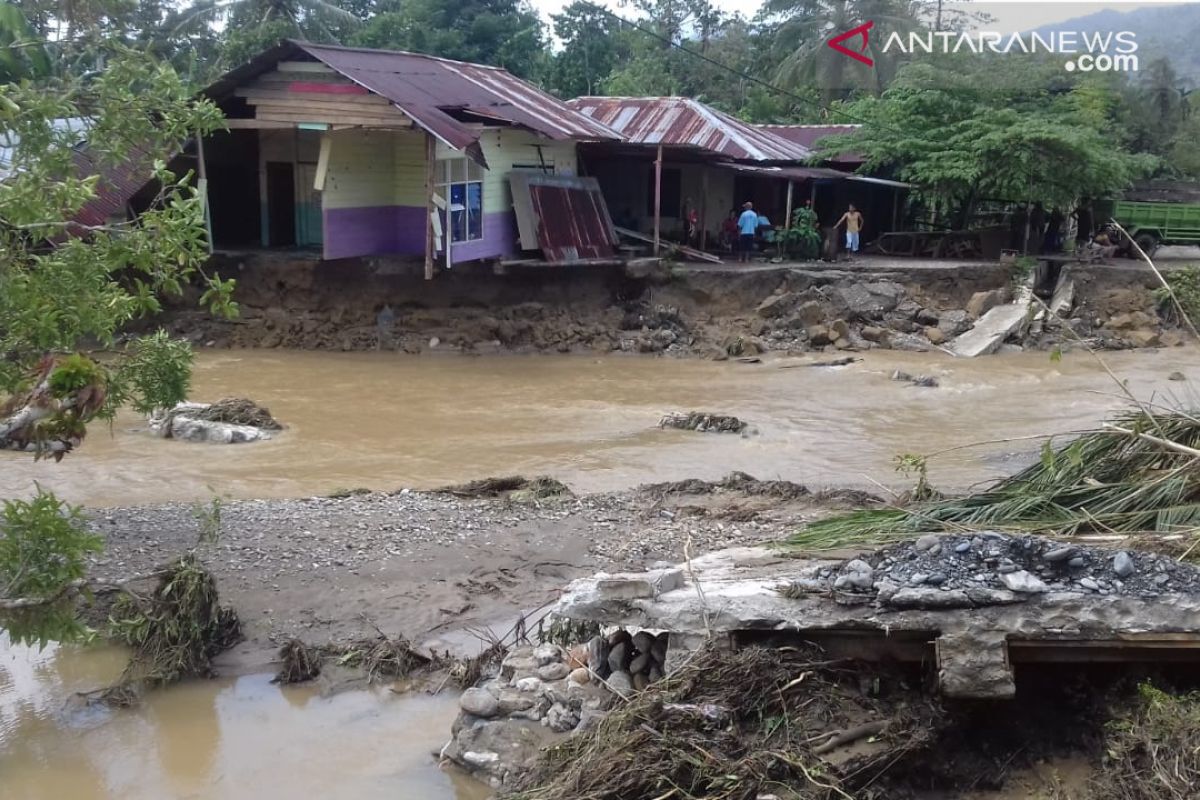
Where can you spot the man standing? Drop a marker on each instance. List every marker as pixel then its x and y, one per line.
pixel 854 223
pixel 747 227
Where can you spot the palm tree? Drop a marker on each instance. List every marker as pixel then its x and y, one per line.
pixel 810 24
pixel 307 19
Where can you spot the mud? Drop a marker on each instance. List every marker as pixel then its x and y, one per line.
pixel 297 302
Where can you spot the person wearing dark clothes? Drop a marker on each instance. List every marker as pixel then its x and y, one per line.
pixel 1053 239
pixel 1084 223
pixel 1037 227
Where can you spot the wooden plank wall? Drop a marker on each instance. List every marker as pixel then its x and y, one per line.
pixel 299 92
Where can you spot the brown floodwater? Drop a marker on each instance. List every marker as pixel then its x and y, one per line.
pixel 225 739
pixel 385 421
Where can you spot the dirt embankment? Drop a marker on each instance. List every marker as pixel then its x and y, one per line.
pixel 302 303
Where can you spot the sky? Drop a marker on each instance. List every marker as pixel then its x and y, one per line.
pixel 1008 15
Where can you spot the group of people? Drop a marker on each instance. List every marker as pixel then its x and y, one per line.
pixel 740 232
pixel 1045 229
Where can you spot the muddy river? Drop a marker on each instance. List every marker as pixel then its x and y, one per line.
pixel 385 421
pixel 226 739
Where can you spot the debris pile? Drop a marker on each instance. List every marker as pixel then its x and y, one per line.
pixel 229 421
pixel 239 411
pixel 703 422
pixel 516 487
pixel 987 568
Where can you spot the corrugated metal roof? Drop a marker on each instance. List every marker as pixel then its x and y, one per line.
pixel 569 215
pixel 430 89
pixel 116 186
pixel 809 135
pixel 684 122
pixel 791 173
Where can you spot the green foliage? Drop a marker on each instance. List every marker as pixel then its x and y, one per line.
pixel 157 372
pixel 1185 285
pixel 22 55
pixel 72 374
pixel 803 238
pixel 44 544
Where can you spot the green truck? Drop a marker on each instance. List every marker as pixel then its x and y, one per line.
pixel 1151 224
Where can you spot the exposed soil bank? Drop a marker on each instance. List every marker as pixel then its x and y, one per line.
pixel 430 565
pixel 358 304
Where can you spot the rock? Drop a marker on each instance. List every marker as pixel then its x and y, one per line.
pixel 480 760
pixel 819 336
pixel 1078 562
pixel 856 574
pixel 619 657
pixel 918 578
pixel 480 703
pixel 1089 583
pixel 640 682
pixel 530 684
pixel 561 719
pixel 839 329
pixel 927 542
pixel 926 316
pixel 1172 338
pixel 1177 376
pixel 809 313
pixel 659 649
pixel 597 648
pixel 1024 582
pixel 1059 553
pixel 548 654
pixel 952 323
pixel 640 663
pixel 580 676
pixel 577 656
pixel 656 672
pixel 1123 564
pixel 935 335
pixel 554 672
pixel 879 336
pixel 518 663
pixel 936 579
pixel 777 305
pixel 621 682
pixel 868 300
pixel 643 641
pixel 962 547
pixel 1131 320
pixel 589 720
pixel 1143 338
pixel 983 302
pixel 510 700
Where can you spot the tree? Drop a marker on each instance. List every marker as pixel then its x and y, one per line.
pixel 505 33
pixel 1015 137
pixel 22 53
pixel 592 46
pixel 63 282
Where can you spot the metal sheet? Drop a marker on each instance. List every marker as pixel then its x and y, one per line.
pixel 808 136
pixel 430 90
pixel 571 217
pixel 684 122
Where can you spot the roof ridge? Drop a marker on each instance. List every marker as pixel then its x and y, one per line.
pixel 808 125
pixel 381 51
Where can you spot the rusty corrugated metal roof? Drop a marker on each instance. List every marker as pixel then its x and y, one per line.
pixel 569 214
pixel 431 90
pixel 684 122
pixel 116 186
pixel 809 135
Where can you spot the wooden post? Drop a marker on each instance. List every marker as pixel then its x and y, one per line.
pixel 447 231
pixel 703 207
pixel 202 186
pixel 657 198
pixel 430 166
pixel 787 216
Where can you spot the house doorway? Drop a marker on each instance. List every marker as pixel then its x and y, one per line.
pixel 281 204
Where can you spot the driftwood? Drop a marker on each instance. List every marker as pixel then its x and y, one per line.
pixel 690 252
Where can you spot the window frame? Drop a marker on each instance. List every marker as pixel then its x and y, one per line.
pixel 462 172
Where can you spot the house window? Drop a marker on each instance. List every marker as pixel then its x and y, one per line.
pixel 672 183
pixel 460 181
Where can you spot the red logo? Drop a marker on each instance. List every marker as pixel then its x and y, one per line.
pixel 857 55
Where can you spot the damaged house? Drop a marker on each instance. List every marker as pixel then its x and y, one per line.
pixel 354 152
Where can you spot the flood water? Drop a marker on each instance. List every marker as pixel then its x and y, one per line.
pixel 224 739
pixel 385 421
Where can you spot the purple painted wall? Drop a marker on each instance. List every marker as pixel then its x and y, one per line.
pixel 399 230
pixel 374 231
pixel 499 240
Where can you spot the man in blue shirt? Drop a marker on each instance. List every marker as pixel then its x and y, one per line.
pixel 747 227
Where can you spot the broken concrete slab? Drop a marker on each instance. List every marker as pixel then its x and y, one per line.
pixel 966 606
pixel 993 328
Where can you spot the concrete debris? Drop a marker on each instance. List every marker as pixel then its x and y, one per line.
pixel 993 328
pixel 186 422
pixel 958 590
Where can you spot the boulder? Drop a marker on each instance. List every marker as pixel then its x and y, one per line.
pixel 1172 338
pixel 1131 320
pixel 935 335
pixel 868 300
pixel 839 329
pixel 880 336
pixel 927 316
pixel 819 336
pixel 954 322
pixel 480 703
pixel 983 302
pixel 809 313
pixel 1143 338
pixel 777 305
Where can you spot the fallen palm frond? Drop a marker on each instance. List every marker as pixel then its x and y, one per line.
pixel 736 725
pixel 1140 474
